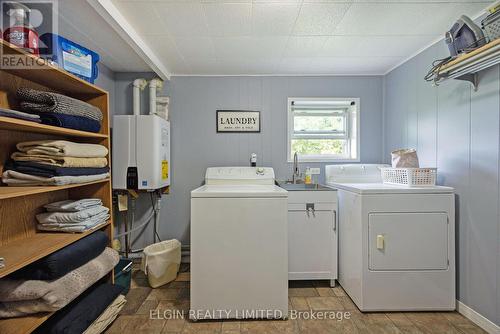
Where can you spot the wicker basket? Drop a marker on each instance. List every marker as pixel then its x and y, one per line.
pixel 410 177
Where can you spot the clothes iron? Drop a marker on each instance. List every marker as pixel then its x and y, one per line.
pixel 464 36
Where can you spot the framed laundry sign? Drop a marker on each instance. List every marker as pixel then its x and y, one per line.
pixel 239 121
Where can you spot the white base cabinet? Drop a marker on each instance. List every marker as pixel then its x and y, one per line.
pixel 312 235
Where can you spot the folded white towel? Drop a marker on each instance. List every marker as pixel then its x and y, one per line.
pixel 101 217
pixel 71 217
pixel 74 228
pixel 73 206
pixel 63 148
pixel 13 178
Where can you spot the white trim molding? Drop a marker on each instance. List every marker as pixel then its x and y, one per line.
pixel 477 318
pixel 108 11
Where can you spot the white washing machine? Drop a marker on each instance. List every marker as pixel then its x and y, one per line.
pixel 239 245
pixel 396 243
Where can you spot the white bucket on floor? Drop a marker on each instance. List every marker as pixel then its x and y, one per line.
pixel 161 261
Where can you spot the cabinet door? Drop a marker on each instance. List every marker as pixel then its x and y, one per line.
pixel 312 249
pixel 408 241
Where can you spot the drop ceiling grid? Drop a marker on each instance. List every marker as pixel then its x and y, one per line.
pixel 216 37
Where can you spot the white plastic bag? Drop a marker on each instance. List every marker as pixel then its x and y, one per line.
pixel 405 158
pixel 161 262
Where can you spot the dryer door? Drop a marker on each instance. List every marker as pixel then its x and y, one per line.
pixel 408 241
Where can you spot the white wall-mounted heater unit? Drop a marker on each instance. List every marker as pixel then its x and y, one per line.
pixel 141 152
pixel 141 144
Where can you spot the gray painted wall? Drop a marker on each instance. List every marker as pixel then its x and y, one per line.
pixel 456 130
pixel 196 145
pixel 106 80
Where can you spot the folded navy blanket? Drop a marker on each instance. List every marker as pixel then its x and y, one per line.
pixel 77 316
pixel 71 122
pixel 33 168
pixel 65 260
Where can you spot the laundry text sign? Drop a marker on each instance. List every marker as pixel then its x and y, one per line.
pixel 238 121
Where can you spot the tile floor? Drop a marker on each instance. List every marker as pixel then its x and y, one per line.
pixel 303 296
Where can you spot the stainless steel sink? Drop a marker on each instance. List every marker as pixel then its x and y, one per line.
pixel 303 187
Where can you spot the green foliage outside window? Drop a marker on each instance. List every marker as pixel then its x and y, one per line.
pixel 318 146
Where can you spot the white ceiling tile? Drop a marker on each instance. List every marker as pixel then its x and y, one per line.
pixel 304 46
pixel 141 15
pixel 294 65
pixel 234 37
pixel 166 50
pixel 249 47
pixel 418 1
pixel 326 1
pixel 227 1
pixel 181 18
pixel 270 19
pixel 373 46
pixel 231 66
pixel 202 66
pixel 319 18
pixel 195 47
pixel 228 19
pixel 277 1
pixel 352 65
pixel 262 66
pixel 402 18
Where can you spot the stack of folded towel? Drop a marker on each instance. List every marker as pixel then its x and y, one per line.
pixel 60 110
pixel 73 216
pixel 55 281
pixel 56 162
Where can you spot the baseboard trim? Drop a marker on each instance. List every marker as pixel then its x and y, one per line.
pixel 477 318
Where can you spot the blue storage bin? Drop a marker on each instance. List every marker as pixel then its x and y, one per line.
pixel 123 274
pixel 70 56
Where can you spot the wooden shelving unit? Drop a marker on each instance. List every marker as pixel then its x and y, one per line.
pixel 12 192
pixel 25 251
pixel 20 243
pixel 24 324
pixel 7 123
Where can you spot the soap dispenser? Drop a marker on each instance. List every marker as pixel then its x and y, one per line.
pixel 308 177
pixel 253 160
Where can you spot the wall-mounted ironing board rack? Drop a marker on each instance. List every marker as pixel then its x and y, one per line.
pixel 468 65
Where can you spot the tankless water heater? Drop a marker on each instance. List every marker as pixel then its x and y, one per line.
pixel 141 152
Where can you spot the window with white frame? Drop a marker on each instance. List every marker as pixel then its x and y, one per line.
pixel 323 129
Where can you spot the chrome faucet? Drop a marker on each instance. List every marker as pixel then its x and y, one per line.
pixel 296 171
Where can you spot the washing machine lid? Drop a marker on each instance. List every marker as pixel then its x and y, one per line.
pixel 354 173
pixel 381 188
pixel 239 175
pixel 239 191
